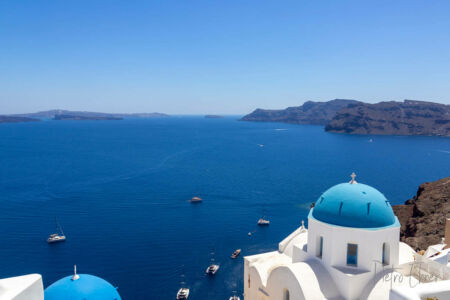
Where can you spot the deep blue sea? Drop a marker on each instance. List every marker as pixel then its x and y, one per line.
pixel 120 190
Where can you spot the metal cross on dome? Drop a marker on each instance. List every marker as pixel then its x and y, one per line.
pixel 353 176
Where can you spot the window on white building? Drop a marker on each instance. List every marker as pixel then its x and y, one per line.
pixel 319 247
pixel 352 255
pixel 385 254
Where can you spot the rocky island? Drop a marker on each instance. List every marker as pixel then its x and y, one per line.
pixel 318 113
pixel 85 118
pixel 12 119
pixel 393 118
pixel 422 218
pixel 51 114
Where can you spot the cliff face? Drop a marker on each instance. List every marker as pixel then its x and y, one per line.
pixel 395 118
pixel 422 218
pixel 310 112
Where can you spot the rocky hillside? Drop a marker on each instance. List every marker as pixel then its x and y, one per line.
pixel 394 118
pixel 310 112
pixel 422 218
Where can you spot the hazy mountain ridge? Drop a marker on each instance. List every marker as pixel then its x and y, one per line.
pixel 317 113
pixel 409 117
pixel 13 119
pixel 50 114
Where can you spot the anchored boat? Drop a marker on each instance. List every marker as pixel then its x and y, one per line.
pixel 183 292
pixel 195 200
pixel 236 253
pixel 263 221
pixel 58 236
pixel 213 267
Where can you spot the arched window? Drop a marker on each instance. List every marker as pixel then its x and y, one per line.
pixel 385 254
pixel 286 294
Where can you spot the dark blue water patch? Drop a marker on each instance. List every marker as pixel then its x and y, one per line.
pixel 121 191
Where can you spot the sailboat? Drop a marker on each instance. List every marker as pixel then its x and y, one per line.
pixel 213 267
pixel 58 236
pixel 183 292
pixel 263 221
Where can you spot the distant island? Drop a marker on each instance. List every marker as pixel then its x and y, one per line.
pixel 11 119
pixel 317 113
pixel 213 116
pixel 409 117
pixel 422 218
pixel 84 118
pixel 400 118
pixel 59 114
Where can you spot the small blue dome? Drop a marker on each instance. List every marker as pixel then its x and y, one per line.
pixel 85 287
pixel 354 205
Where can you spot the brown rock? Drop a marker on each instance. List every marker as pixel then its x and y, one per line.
pixel 422 218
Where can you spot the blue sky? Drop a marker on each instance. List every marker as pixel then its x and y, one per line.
pixel 225 57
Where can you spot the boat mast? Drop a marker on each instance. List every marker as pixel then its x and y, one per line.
pixel 58 227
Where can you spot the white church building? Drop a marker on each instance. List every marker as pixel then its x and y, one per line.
pixel 350 250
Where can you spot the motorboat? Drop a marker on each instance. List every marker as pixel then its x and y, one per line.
pixel 196 200
pixel 236 253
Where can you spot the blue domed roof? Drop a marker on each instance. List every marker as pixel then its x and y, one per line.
pixel 354 205
pixel 85 287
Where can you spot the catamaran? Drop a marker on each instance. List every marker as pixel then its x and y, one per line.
pixel 58 236
pixel 183 292
pixel 213 267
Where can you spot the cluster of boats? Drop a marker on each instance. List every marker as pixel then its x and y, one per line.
pixel 183 292
pixel 211 270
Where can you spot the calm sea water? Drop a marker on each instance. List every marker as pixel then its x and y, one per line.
pixel 120 190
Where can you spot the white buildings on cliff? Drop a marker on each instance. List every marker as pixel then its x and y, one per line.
pixel 351 250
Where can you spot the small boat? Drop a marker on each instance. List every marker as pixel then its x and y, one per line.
pixel 213 267
pixel 57 237
pixel 234 297
pixel 236 253
pixel 183 292
pixel 261 145
pixel 196 200
pixel 263 221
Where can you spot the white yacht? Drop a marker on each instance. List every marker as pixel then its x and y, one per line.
pixel 57 237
